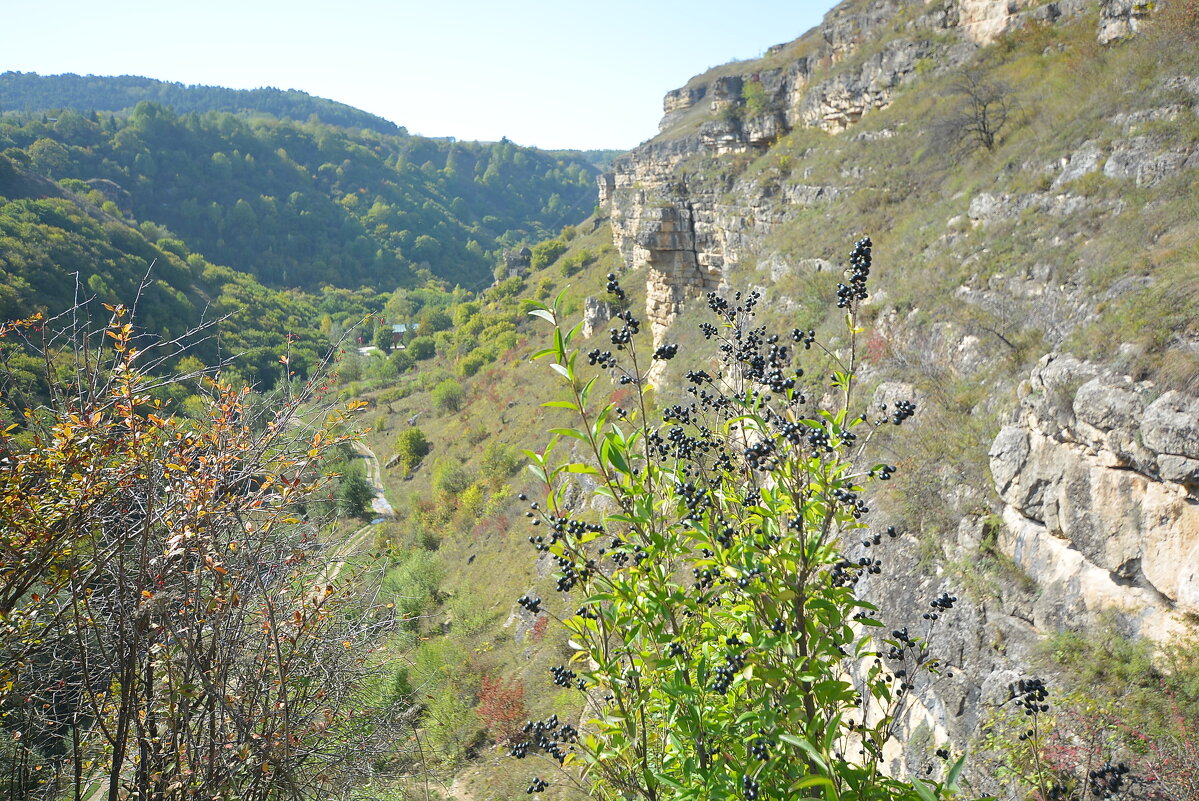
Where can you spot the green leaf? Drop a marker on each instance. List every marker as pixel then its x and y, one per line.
pixel 807 748
pixel 922 790
pixel 544 314
pixel 560 369
pixel 586 393
pixel 617 457
pixel 574 433
pixel 669 782
pixel 572 333
pixel 951 779
pixel 560 404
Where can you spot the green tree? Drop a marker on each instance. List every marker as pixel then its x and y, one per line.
pixel 499 461
pixel 433 320
pixel 450 478
pixel 354 493
pixel 546 253
pixel 49 158
pixel 411 446
pixel 383 338
pixel 449 395
pixel 422 348
pixel 757 102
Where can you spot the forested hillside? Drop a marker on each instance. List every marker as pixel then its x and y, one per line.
pixel 57 249
pixel 307 204
pixel 28 91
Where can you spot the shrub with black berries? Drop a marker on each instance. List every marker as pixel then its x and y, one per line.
pixel 1047 755
pixel 722 649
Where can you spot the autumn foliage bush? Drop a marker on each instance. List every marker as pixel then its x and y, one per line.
pixel 502 707
pixel 166 630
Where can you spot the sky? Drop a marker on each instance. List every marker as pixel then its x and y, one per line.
pixel 546 73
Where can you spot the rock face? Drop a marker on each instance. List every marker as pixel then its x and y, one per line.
pixel 1119 19
pixel 596 314
pixel 1099 476
pixel 687 225
pixel 1142 159
pixel 516 261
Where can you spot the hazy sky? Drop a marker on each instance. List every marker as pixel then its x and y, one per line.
pixel 551 73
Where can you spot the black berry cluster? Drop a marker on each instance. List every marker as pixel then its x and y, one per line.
pixel 614 287
pixel 546 736
pixel 805 338
pixel 903 641
pixel 1030 695
pixel 903 410
pixel 563 677
pixel 733 662
pixel 666 352
pixel 621 337
pixel 760 747
pixel 1108 781
pixel 857 505
pixel 530 602
pixel 940 605
pixel 859 272
pixel 883 472
pixel 537 785
pixel 871 565
pixel 604 359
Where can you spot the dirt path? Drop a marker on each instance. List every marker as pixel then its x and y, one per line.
pixel 353 543
pixel 374 474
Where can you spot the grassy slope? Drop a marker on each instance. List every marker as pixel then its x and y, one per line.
pixel 477 542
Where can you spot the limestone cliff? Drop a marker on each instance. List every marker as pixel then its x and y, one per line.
pixel 686 229
pixel 1099 475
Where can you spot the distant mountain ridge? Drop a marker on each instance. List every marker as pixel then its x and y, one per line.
pixel 303 204
pixel 28 91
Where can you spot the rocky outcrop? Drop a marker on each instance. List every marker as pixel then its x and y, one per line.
pixel 986 207
pixel 677 102
pixel 687 226
pixel 1099 476
pixel 605 184
pixel 1119 19
pixel 1143 160
pixel 517 261
pixel 596 314
pixel 1099 517
pixel 838 102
